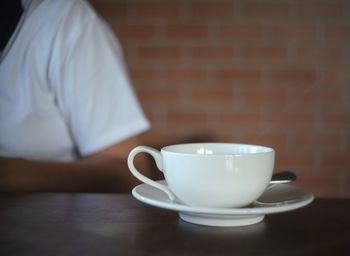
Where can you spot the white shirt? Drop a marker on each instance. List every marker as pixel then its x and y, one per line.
pixel 64 90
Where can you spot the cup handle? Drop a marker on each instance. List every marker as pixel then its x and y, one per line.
pixel 159 162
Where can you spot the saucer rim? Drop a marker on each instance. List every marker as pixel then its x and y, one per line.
pixel 248 210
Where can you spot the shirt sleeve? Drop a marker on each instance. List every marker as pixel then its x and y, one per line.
pixel 91 83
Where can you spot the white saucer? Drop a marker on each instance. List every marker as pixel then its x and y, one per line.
pixel 277 198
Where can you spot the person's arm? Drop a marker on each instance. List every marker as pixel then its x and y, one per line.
pixel 105 171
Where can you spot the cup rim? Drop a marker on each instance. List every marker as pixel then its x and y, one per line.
pixel 169 149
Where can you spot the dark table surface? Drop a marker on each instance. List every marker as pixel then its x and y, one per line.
pixel 117 224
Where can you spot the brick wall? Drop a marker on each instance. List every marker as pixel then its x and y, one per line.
pixel 274 72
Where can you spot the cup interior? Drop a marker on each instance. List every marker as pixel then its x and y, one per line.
pixel 216 149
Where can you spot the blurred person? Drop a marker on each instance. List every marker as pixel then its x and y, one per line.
pixel 68 114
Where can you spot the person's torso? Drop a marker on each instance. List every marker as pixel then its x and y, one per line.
pixel 31 125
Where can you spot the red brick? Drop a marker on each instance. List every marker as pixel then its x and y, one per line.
pixel 239 117
pixel 212 53
pixel 294 160
pixel 265 53
pixel 339 117
pixel 340 75
pixel 218 10
pixel 319 54
pixel 338 32
pixel 188 118
pixel 225 136
pixel 128 51
pixel 159 53
pixel 138 31
pixel 239 75
pixel 159 9
pixel 337 161
pixel 269 9
pixel 291 118
pixel 158 95
pixel 274 139
pixel 317 141
pixel 296 75
pixel 293 32
pixel 318 96
pixel 182 74
pixel 192 31
pixel 215 95
pixel 157 138
pixel 319 9
pixel 266 96
pixel 110 9
pixel 242 31
pixel 272 102
pixel 142 74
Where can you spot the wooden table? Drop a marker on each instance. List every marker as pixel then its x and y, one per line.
pixel 112 224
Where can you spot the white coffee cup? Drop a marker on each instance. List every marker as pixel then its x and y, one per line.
pixel 218 175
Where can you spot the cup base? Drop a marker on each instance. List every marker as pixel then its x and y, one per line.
pixel 219 220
